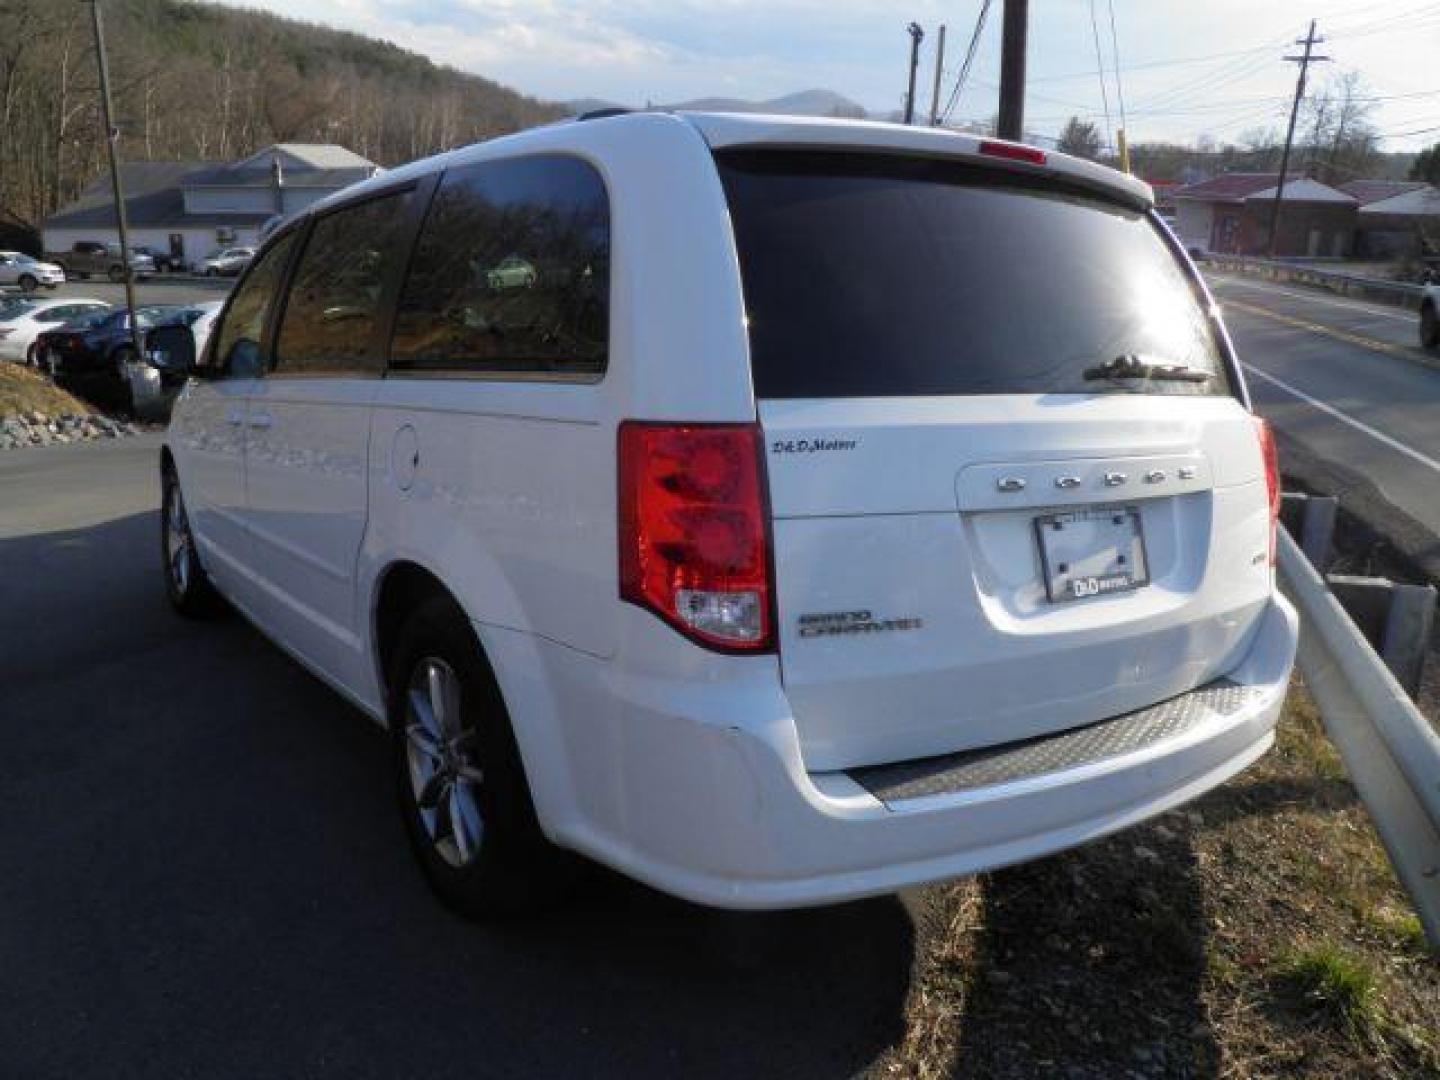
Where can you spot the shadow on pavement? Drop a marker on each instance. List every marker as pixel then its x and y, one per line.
pixel 1092 963
pixel 205 876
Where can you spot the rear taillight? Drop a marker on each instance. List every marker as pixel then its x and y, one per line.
pixel 694 536
pixel 1272 477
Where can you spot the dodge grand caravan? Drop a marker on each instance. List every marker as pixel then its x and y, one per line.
pixel 837 506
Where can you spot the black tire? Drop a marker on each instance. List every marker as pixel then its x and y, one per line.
pixel 191 592
pixel 509 870
pixel 210 271
pixel 116 274
pixel 1429 327
pixel 28 283
pixel 32 358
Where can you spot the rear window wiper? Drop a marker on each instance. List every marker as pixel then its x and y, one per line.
pixel 1130 366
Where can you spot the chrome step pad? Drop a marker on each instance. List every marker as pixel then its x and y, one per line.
pixel 970 769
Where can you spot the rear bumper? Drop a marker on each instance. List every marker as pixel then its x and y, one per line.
pixel 733 819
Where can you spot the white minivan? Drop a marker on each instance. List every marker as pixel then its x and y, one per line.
pixel 830 507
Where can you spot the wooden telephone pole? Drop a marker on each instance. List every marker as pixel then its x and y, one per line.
pixel 939 73
pixel 1011 124
pixel 112 136
pixel 1309 41
pixel 916 35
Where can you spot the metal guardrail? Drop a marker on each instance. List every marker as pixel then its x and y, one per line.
pixel 1399 293
pixel 1391 752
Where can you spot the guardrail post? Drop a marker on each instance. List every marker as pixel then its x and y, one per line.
pixel 1312 518
pixel 1408 629
pixel 1396 619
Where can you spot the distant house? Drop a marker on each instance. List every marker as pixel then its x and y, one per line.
pixel 1405 223
pixel 190 208
pixel 1231 214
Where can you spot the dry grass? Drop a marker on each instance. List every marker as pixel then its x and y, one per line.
pixel 23 391
pixel 1259 932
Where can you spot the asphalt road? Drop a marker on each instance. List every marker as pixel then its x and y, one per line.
pixel 1342 382
pixel 204 875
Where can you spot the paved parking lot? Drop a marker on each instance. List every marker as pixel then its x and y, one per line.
pixel 204 874
pixel 156 290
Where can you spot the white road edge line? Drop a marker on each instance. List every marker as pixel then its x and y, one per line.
pixel 1348 305
pixel 1346 418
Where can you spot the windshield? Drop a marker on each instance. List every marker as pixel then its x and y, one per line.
pixel 883 276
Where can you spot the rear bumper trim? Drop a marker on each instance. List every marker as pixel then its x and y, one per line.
pixel 967 770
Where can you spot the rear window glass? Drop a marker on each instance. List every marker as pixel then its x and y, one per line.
pixel 883 276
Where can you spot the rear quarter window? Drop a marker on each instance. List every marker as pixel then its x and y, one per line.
pixel 511 273
pixel 880 276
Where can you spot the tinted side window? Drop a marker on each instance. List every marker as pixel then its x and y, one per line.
pixel 238 342
pixel 333 307
pixel 511 273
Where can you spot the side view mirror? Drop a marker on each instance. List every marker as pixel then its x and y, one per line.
pixel 171 349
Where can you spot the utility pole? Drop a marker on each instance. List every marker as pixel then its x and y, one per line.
pixel 916 35
pixel 1309 41
pixel 1011 124
pixel 112 135
pixel 939 71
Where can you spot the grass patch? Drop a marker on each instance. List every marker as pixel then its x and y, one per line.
pixel 1341 986
pixel 24 391
pixel 1258 932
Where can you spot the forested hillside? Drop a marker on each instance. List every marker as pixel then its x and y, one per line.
pixel 193 81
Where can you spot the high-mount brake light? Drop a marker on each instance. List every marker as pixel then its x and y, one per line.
pixel 1272 477
pixel 694 539
pixel 1012 151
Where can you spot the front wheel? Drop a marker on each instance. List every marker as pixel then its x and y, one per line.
pixel 461 783
pixel 117 274
pixel 1429 327
pixel 28 283
pixel 186 583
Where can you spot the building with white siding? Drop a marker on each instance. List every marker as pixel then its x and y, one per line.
pixel 190 209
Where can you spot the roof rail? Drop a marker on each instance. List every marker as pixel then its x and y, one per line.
pixel 601 114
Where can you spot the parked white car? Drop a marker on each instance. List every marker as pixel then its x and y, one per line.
pixel 23 319
pixel 28 273
pixel 206 312
pixel 844 506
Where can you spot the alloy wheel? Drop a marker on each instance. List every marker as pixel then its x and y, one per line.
pixel 440 750
pixel 179 543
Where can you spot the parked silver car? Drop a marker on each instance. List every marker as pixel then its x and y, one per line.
pixel 227 262
pixel 28 272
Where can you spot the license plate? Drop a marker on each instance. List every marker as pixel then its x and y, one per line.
pixel 1092 552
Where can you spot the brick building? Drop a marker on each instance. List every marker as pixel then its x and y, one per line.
pixel 1231 213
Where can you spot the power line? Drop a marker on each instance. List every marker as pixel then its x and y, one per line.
pixel 1100 71
pixel 1115 52
pixel 964 73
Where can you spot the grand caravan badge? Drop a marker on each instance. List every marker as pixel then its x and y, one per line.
pixel 835 623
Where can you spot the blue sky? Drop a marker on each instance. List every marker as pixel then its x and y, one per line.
pixel 1188 68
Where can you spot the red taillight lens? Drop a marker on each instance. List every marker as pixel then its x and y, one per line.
pixel 1272 477
pixel 694 544
pixel 1012 151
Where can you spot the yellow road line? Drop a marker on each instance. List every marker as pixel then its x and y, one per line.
pixel 1404 352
